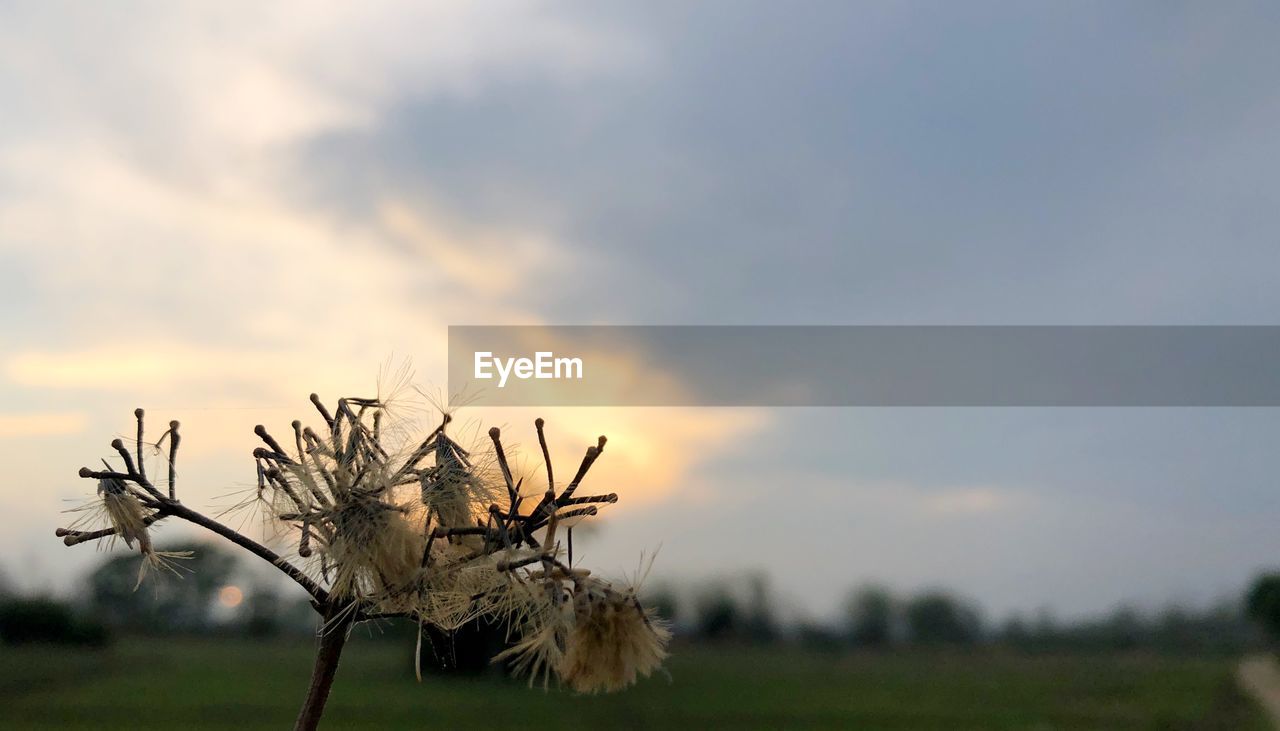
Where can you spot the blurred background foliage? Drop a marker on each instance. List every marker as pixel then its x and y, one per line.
pixel 219 633
pixel 215 592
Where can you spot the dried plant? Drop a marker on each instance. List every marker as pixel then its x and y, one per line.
pixel 387 527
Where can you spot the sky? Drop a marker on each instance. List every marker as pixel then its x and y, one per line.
pixel 211 211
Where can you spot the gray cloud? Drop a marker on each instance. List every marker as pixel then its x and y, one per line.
pixel 977 163
pixel 926 163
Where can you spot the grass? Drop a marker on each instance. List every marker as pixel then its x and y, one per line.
pixel 198 684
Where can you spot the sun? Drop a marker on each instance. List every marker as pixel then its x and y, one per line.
pixel 230 596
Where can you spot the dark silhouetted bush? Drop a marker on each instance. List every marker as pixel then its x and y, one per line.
pixel 718 615
pixel 1262 603
pixel 870 616
pixel 939 618
pixel 43 620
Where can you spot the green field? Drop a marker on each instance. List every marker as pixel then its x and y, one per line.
pixel 166 684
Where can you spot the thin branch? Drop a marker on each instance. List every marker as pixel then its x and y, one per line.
pixel 610 499
pixel 328 419
pixel 496 435
pixel 181 511
pixel 174 439
pixel 73 537
pixel 270 441
pixel 546 455
pixel 520 562
pixel 464 531
pixel 589 510
pixel 142 467
pixel 87 473
pixel 587 460
pixel 422 451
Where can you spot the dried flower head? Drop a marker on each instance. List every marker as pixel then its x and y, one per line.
pixel 614 639
pixel 388 526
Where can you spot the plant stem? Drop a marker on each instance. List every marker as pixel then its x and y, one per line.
pixel 333 636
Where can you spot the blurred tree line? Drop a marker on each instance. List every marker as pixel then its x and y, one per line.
pixel 875 617
pixel 740 609
pixel 110 601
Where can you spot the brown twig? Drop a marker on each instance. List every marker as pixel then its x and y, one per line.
pixel 174 439
pixel 142 467
pixel 333 637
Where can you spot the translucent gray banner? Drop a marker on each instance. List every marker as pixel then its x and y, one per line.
pixel 864 366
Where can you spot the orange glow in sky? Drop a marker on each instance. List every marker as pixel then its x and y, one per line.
pixel 230 596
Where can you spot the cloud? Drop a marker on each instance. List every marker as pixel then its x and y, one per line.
pixel 200 82
pixel 148 163
pixel 972 501
pixel 931 503
pixel 494 264
pixel 41 424
pixel 155 206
